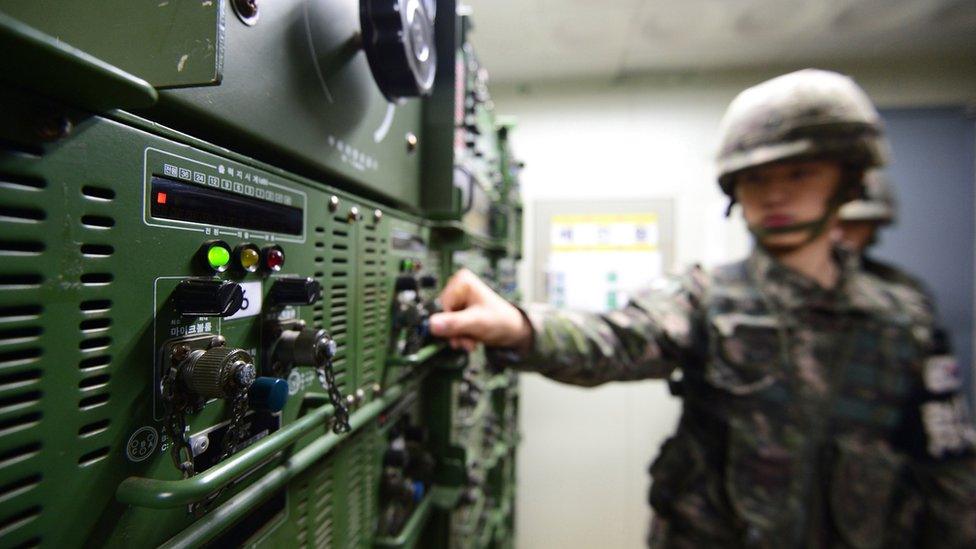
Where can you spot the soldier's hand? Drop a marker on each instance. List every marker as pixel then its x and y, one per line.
pixel 476 314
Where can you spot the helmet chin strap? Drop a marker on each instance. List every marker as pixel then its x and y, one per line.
pixel 814 228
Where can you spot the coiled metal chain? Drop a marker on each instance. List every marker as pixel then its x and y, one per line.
pixel 326 371
pixel 175 423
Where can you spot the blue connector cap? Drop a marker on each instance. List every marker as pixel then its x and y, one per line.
pixel 418 491
pixel 268 393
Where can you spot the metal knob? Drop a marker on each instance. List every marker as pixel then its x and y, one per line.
pixel 304 347
pixel 221 372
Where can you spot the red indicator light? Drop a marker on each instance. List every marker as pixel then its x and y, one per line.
pixel 274 258
pixel 161 198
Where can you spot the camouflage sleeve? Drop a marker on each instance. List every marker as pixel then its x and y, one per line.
pixel 945 464
pixel 648 338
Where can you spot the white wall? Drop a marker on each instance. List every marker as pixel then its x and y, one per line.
pixel 582 467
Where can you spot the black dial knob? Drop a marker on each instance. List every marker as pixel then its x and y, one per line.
pixel 214 297
pixel 405 283
pixel 398 36
pixel 296 291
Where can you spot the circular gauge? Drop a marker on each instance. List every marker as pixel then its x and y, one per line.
pixel 398 37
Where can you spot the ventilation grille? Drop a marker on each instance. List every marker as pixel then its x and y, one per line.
pixel 24 229
pixel 95 324
pixel 375 297
pixel 340 278
pixel 318 310
pixel 313 506
pixel 362 488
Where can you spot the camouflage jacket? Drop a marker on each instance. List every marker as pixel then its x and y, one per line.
pixel 805 410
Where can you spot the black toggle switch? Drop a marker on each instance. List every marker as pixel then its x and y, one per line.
pixel 428 282
pixel 214 297
pixel 296 291
pixel 405 283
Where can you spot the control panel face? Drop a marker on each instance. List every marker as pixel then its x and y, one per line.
pixel 203 304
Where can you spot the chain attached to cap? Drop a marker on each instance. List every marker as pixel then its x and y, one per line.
pixel 174 420
pixel 326 372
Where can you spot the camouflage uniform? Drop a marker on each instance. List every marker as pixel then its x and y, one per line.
pixel 806 411
pixel 800 409
pixel 940 398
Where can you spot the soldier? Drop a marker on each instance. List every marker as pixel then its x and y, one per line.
pixel 860 221
pixel 800 373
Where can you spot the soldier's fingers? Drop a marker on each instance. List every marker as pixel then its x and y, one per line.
pixel 465 323
pixel 468 344
pixel 455 294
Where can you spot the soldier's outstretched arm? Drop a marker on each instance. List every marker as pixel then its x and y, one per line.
pixel 648 338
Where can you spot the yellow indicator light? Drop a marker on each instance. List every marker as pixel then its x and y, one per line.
pixel 250 257
pixel 218 257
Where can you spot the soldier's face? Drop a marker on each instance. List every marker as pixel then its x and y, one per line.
pixel 784 194
pixel 857 235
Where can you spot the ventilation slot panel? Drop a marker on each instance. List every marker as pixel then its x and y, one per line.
pixel 101 194
pixel 10 213
pixel 12 359
pixel 14 523
pixel 94 428
pixel 95 306
pixel 20 281
pixel 337 311
pixel 97 250
pixel 376 300
pixel 92 402
pixel 13 383
pixel 94 456
pixel 18 488
pixel 20 248
pixel 97 221
pixel 17 430
pixel 19 314
pixel 299 502
pixel 18 463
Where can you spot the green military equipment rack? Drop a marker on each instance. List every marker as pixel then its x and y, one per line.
pixel 215 282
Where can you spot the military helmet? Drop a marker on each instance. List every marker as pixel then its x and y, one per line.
pixel 805 114
pixel 877 204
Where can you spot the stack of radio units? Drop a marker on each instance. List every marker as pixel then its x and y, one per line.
pixel 223 228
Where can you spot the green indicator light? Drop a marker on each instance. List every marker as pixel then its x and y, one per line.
pixel 218 257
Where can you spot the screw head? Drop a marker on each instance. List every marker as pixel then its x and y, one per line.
pixel 412 142
pixel 333 203
pixel 353 214
pixel 55 127
pixel 377 389
pixel 377 215
pixel 200 444
pixel 244 373
pixel 350 400
pixel 180 353
pixel 247 11
pixel 360 396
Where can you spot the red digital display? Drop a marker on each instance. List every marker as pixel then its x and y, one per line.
pixel 161 198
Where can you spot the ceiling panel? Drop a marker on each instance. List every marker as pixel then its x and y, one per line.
pixel 527 40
